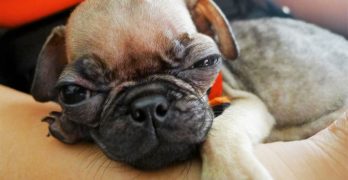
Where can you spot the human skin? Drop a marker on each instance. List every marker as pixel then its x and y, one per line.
pixel 323 156
pixel 27 153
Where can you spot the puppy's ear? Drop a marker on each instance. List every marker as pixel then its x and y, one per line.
pixel 50 64
pixel 210 20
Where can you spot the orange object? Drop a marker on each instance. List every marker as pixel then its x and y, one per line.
pixel 15 13
pixel 216 90
pixel 219 100
pixel 216 93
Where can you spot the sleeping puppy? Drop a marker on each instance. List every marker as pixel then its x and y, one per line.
pixel 132 75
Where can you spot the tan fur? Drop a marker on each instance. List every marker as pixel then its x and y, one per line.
pixel 228 152
pixel 209 19
pixel 109 38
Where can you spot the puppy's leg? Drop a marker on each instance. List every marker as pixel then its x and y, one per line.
pixel 65 130
pixel 228 151
pixel 305 130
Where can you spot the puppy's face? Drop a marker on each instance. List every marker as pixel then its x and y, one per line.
pixel 135 79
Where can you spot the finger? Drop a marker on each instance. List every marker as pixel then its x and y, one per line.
pixel 339 128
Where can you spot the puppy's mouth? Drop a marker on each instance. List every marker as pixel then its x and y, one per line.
pixel 152 125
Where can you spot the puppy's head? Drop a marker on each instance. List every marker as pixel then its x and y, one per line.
pixel 135 74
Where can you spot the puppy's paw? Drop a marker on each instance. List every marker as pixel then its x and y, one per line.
pixel 63 130
pixel 228 153
pixel 221 161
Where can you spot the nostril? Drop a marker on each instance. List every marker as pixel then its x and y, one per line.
pixel 153 107
pixel 139 115
pixel 161 110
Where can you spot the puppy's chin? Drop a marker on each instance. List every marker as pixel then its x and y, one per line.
pixel 154 143
pixel 157 155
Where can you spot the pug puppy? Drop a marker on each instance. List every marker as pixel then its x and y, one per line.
pixel 132 76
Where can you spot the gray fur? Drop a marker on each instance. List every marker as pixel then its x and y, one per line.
pixel 299 70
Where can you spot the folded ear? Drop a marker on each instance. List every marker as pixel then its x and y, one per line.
pixel 210 20
pixel 51 61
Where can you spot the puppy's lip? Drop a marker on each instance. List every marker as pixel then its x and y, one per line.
pixel 150 160
pixel 166 155
pixel 109 153
pixel 97 140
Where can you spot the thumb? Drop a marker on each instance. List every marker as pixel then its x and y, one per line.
pixel 340 128
pixel 322 156
pixel 333 144
pixel 336 134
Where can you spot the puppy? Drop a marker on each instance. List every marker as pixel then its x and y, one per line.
pixel 132 76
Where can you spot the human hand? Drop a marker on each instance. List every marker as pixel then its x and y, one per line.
pixel 323 156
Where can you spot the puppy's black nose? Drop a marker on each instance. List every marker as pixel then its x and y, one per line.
pixel 152 107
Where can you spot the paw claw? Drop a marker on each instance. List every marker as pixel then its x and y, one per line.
pixel 48 119
pixel 61 129
pixel 52 117
pixel 55 114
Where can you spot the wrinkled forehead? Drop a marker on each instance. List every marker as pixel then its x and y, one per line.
pixel 113 29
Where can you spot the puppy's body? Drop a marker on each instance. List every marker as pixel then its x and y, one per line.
pixel 298 70
pixel 289 83
pixel 132 75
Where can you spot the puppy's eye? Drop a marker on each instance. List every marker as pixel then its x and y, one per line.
pixel 208 61
pixel 73 94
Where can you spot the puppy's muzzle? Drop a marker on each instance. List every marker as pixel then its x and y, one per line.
pixel 154 124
